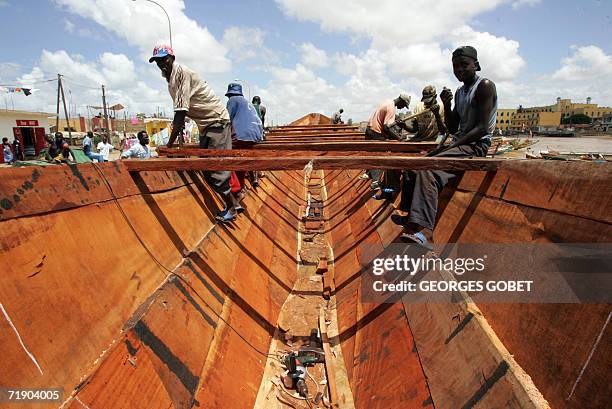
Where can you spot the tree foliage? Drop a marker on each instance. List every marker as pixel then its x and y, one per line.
pixel 577 119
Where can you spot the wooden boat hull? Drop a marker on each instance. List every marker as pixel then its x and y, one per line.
pixel 121 289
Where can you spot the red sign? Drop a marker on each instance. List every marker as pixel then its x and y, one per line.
pixel 27 122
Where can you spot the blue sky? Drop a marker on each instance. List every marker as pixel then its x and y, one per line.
pixel 338 53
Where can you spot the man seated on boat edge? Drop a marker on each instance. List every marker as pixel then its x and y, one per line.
pixel 472 123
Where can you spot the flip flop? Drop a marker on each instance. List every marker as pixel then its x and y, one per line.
pixel 228 217
pixel 417 238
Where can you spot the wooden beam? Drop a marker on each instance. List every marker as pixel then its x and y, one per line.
pixel 315 132
pixel 265 153
pixel 327 163
pixel 366 146
pixel 308 127
pixel 370 146
pixel 315 139
pixel 330 368
pixel 316 135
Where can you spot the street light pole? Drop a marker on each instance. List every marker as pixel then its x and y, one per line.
pixel 167 16
pixel 247 85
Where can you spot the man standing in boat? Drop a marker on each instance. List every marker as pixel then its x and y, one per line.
pixel 472 122
pixel 193 97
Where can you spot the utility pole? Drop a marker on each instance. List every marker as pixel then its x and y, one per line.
pixel 59 83
pixel 105 115
pixel 61 89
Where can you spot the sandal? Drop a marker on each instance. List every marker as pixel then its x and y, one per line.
pixel 386 193
pixel 227 216
pixel 417 238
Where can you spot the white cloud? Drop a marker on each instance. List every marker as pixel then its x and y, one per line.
pixel 290 91
pixel 69 26
pixel 313 57
pixel 388 22
pixel 586 64
pixel 82 82
pixel 585 73
pixel 498 56
pixel 422 61
pixel 246 43
pixel 410 46
pixel 9 70
pixel 529 3
pixel 143 24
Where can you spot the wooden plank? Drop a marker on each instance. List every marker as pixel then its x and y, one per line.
pixel 309 127
pixel 298 163
pixel 264 153
pixel 317 134
pixel 329 363
pixel 315 139
pixel 380 146
pixel 369 146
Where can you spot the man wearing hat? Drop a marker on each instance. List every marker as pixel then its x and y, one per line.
pixel 472 123
pixel 428 125
pixel 247 128
pixel 379 128
pixel 246 124
pixel 194 98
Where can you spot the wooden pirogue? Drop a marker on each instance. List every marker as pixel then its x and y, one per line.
pixel 119 288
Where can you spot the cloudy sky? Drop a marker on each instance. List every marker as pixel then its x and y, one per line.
pixel 305 56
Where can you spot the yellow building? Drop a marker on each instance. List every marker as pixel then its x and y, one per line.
pixel 535 120
pixel 569 108
pixel 504 118
pixel 155 125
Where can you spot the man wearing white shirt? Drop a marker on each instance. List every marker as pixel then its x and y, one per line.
pixel 105 148
pixel 139 150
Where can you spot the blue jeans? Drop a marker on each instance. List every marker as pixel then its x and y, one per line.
pixel 96 156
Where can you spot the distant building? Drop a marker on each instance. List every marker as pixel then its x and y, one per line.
pixel 535 120
pixel 606 123
pixel 548 117
pixel 568 108
pixel 29 127
pixel 504 118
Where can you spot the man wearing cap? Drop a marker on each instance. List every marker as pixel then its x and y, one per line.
pixel 379 128
pixel 472 122
pixel 428 124
pixel 246 126
pixel 193 97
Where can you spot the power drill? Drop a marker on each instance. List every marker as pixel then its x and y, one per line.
pixel 296 362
